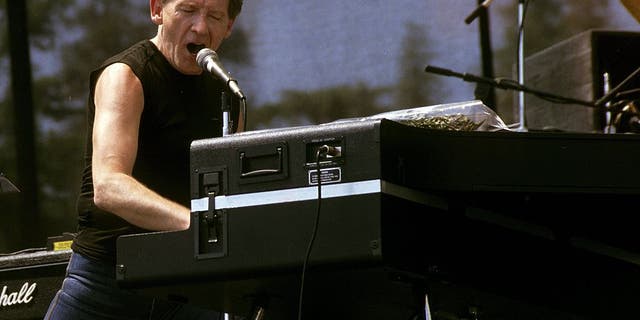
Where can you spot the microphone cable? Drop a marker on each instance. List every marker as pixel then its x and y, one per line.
pixel 322 151
pixel 243 102
pixel 242 111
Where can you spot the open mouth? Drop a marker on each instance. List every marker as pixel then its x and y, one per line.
pixel 194 48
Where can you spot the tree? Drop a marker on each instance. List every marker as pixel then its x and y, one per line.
pixel 413 88
pixel 320 106
pixel 348 101
pixel 40 38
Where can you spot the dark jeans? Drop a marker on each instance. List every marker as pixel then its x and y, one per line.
pixel 90 291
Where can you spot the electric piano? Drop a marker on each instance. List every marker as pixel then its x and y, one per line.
pixel 519 224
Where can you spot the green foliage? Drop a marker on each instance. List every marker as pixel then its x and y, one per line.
pixel 320 106
pixel 414 88
pixel 42 15
pixel 101 28
pixel 60 170
pixel 359 100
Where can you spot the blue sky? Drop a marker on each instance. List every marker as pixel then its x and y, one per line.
pixel 309 45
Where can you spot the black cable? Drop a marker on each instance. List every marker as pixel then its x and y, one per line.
pixel 244 112
pixel 322 151
pixel 607 97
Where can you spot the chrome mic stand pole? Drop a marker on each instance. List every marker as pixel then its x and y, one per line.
pixel 521 111
pixel 227 122
pixel 226 110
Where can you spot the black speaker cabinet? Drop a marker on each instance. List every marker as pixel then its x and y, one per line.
pixel 29 281
pixel 576 68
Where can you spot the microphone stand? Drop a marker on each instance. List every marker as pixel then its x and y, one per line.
pixel 520 59
pixel 508 84
pixel 613 93
pixel 521 111
pixel 226 118
pixel 227 123
pixel 482 13
pixel 602 104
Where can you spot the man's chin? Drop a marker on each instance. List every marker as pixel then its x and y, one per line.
pixel 191 70
pixel 193 73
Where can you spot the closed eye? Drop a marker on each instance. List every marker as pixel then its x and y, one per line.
pixel 186 9
pixel 215 17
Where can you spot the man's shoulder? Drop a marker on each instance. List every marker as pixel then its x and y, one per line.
pixel 136 57
pixel 139 53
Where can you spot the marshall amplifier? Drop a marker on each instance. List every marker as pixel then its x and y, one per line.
pixel 29 281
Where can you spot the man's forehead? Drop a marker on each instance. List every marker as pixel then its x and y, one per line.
pixel 205 3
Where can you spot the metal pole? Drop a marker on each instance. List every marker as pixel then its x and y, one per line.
pixel 521 107
pixel 24 127
pixel 487 56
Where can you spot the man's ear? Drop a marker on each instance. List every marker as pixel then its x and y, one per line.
pixel 155 6
pixel 229 28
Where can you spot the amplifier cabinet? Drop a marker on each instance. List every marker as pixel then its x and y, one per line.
pixel 28 283
pixel 575 68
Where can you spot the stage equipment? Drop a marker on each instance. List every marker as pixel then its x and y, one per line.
pixel 209 61
pixel 581 67
pixel 6 186
pixel 483 92
pixel 488 65
pixel 522 119
pixel 476 13
pixel 29 281
pixel 628 122
pixel 404 211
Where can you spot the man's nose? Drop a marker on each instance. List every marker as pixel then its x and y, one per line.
pixel 199 24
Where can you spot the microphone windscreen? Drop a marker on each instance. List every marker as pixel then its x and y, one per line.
pixel 203 54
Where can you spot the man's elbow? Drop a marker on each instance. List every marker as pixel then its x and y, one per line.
pixel 101 191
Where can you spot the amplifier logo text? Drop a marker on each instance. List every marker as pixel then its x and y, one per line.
pixel 24 296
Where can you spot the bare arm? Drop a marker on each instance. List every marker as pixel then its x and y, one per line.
pixel 119 102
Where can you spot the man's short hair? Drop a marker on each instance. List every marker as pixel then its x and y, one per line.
pixel 235 6
pixel 233 10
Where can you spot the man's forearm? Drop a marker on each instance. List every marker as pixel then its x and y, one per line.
pixel 129 199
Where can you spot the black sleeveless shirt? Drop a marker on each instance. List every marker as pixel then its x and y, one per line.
pixel 178 109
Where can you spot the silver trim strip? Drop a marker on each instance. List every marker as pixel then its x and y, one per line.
pixel 311 193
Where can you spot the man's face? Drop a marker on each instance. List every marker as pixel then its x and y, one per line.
pixel 186 26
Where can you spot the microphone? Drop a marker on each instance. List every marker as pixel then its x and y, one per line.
pixel 441 71
pixel 208 60
pixel 477 11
